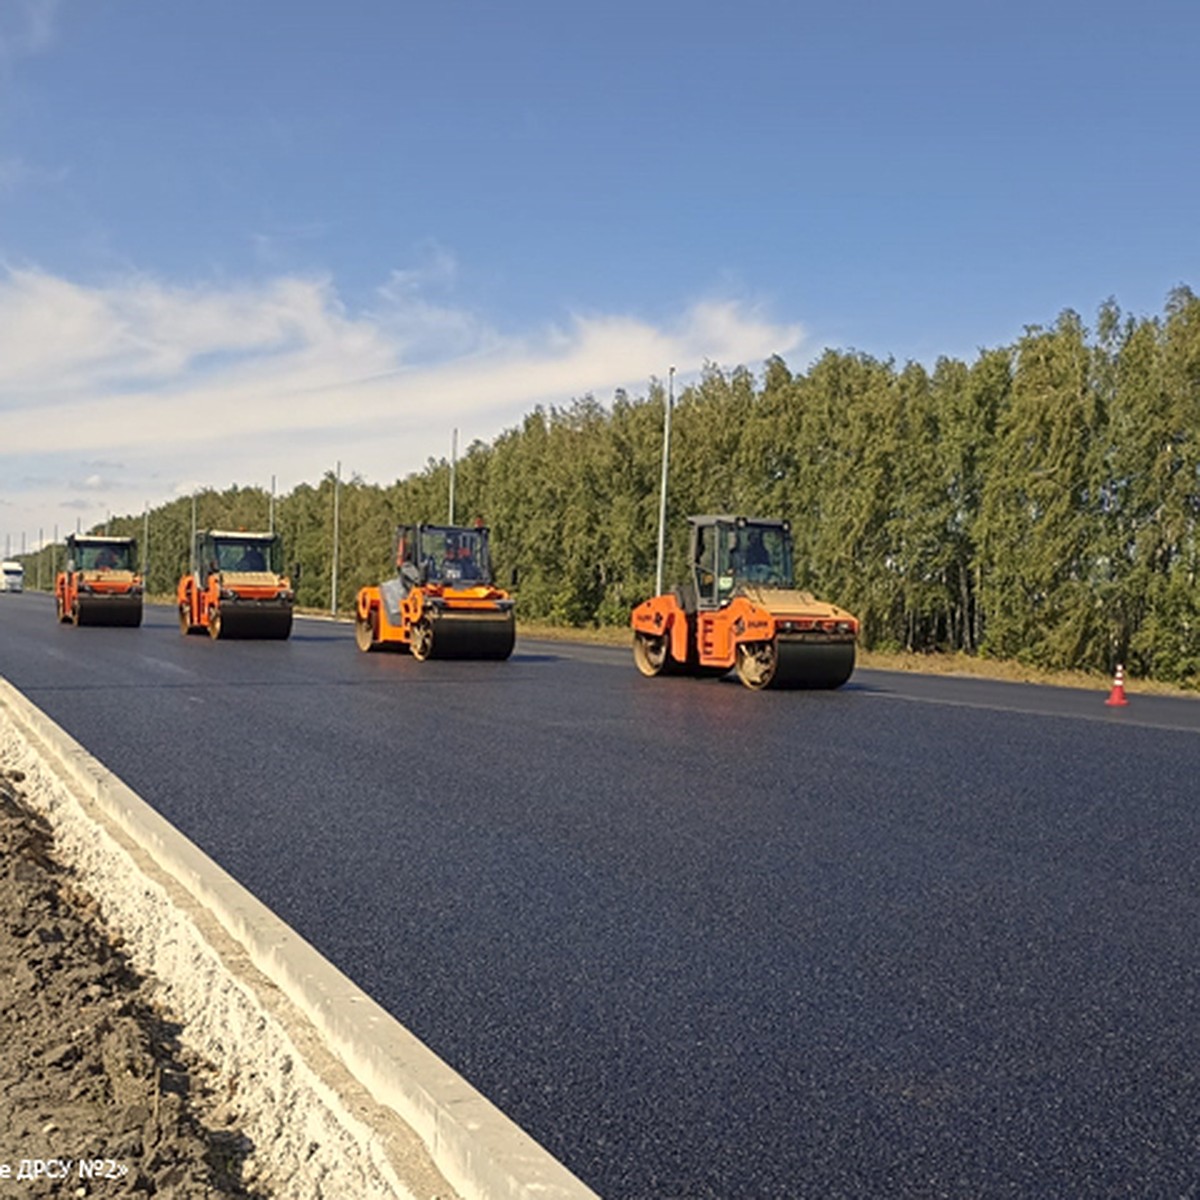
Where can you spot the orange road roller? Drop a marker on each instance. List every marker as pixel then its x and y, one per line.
pixel 237 587
pixel 442 602
pixel 100 583
pixel 741 611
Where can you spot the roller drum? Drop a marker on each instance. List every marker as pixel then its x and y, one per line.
pixel 472 635
pixel 813 664
pixel 109 610
pixel 252 621
pixel 795 663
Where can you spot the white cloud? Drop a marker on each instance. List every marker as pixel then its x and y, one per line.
pixel 419 326
pixel 142 390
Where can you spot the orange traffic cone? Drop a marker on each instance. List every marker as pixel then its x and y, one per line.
pixel 1117 695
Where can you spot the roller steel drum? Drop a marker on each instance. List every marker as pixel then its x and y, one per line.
pixel 108 610
pixel 465 635
pixel 235 620
pixel 793 662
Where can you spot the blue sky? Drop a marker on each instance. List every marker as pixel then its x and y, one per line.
pixel 250 239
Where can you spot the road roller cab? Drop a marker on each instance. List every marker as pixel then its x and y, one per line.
pixel 100 583
pixel 442 602
pixel 740 610
pixel 237 587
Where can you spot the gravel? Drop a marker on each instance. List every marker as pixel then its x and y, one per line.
pixel 143 1053
pixel 98 1096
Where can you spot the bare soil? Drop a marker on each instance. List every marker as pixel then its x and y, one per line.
pixel 97 1095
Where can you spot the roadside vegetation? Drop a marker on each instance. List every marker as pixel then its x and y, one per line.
pixel 1038 506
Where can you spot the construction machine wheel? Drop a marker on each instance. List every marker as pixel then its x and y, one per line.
pixel 214 624
pixel 64 617
pixel 757 663
pixel 651 654
pixel 366 631
pixel 421 641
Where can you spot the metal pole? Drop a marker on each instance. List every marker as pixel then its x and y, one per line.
pixel 145 540
pixel 41 555
pixel 337 485
pixel 192 542
pixel 662 495
pixel 453 468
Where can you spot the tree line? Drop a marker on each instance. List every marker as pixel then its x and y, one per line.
pixel 1038 504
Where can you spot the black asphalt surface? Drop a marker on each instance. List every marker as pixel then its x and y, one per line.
pixel 920 937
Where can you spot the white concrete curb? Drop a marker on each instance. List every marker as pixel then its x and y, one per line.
pixel 481 1153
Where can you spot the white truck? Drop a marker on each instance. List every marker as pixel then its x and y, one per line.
pixel 12 576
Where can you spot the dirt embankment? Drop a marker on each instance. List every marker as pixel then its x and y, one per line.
pixel 97 1095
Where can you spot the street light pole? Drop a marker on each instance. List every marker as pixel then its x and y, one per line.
pixel 662 495
pixel 333 587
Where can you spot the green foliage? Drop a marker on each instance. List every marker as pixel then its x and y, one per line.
pixel 1040 503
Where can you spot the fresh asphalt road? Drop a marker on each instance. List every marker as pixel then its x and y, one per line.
pixel 917 937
